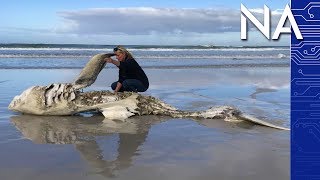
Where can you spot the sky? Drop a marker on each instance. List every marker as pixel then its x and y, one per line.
pixel 128 22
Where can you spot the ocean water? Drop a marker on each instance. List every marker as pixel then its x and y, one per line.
pixel 75 56
pixel 253 79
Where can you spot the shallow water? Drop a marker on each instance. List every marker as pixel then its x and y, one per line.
pixel 75 147
pixel 24 56
pixel 142 52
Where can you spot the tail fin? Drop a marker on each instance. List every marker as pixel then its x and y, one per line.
pixel 260 122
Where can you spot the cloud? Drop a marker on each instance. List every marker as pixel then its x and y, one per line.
pixel 148 20
pixel 24 30
pixel 145 25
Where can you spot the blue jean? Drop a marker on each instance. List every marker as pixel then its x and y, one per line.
pixel 132 85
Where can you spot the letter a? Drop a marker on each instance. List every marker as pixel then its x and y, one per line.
pixel 280 29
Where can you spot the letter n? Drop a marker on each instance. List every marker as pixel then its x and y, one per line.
pixel 265 29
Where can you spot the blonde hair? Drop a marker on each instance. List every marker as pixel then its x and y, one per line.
pixel 124 50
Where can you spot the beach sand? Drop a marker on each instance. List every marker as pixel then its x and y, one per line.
pixel 152 147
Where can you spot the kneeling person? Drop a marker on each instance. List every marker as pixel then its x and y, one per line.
pixel 131 75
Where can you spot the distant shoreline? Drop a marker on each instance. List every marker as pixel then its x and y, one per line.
pixel 43 45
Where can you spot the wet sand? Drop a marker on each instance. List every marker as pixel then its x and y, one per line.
pixel 152 147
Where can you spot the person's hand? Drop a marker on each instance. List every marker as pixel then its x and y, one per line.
pixel 108 60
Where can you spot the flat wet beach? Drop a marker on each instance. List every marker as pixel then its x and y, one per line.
pixel 158 147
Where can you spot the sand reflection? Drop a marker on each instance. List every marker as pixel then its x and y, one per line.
pixel 82 132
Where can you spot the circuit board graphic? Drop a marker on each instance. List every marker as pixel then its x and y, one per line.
pixel 305 91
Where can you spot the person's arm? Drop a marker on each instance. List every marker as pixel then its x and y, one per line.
pixel 110 60
pixel 119 85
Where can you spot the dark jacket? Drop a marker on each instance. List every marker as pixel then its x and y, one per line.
pixel 130 69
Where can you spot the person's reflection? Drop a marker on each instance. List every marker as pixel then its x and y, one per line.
pixel 127 148
pixel 38 128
